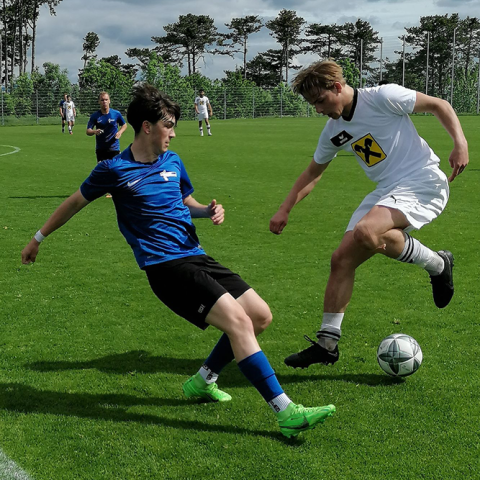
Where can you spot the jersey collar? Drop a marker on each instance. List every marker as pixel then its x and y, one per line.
pixel 354 106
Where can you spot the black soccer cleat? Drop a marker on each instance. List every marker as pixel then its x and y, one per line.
pixel 442 285
pixel 311 355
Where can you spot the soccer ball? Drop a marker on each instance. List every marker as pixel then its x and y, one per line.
pixel 399 355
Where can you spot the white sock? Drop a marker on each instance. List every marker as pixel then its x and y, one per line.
pixel 208 375
pixel 280 403
pixel 330 331
pixel 419 254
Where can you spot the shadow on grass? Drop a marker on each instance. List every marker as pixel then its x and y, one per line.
pixel 35 197
pixel 140 361
pixel 20 398
pixel 368 379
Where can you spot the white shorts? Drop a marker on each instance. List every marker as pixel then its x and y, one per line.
pixel 202 116
pixel 70 118
pixel 421 197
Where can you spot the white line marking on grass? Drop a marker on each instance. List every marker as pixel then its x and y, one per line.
pixel 15 150
pixel 9 470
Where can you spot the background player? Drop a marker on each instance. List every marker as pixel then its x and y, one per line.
pixel 202 108
pixel 104 125
pixel 70 113
pixel 153 201
pixel 62 111
pixel 374 124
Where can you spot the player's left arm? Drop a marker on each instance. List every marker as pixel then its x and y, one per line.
pixel 210 108
pixel 120 132
pixel 448 118
pixel 213 210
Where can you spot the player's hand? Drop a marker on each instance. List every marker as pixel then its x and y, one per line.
pixel 216 212
pixel 29 253
pixel 278 222
pixel 118 135
pixel 458 161
pixel 98 131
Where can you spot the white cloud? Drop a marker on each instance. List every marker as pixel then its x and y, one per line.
pixel 123 24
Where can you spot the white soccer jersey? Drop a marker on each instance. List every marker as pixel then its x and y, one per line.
pixel 380 134
pixel 201 103
pixel 69 107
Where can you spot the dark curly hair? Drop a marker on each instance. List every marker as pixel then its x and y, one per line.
pixel 150 104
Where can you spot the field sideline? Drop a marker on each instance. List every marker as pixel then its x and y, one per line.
pixel 91 363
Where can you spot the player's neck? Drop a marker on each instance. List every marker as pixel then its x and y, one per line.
pixel 143 152
pixel 105 110
pixel 349 94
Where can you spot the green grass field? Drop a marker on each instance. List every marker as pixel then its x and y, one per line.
pixel 91 363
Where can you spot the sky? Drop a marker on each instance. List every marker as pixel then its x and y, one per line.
pixel 123 24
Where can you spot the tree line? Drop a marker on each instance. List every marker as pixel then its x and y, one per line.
pixel 427 65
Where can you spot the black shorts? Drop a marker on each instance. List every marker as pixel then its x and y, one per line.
pixel 106 154
pixel 191 286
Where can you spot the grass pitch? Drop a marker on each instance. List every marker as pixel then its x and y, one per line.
pixel 91 363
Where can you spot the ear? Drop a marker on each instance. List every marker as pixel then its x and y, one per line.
pixel 338 87
pixel 146 126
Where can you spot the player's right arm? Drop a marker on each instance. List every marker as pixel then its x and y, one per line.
pixel 60 216
pixel 90 130
pixel 301 188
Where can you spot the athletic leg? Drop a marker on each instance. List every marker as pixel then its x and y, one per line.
pixel 230 317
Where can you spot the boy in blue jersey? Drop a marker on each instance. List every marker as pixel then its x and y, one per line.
pixel 104 125
pixel 62 110
pixel 153 199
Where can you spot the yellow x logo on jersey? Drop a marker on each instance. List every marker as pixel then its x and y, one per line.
pixel 369 150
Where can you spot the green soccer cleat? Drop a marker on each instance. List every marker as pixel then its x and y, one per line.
pixel 296 418
pixel 195 387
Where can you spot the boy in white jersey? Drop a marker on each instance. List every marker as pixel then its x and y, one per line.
pixel 70 113
pixel 373 123
pixel 201 105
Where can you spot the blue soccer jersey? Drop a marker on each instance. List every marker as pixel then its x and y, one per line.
pixel 108 122
pixel 148 199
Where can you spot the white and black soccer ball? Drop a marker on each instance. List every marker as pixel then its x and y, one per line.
pixel 399 355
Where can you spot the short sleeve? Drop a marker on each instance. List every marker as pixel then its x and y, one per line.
pixel 91 121
pixel 102 180
pixel 396 99
pixel 186 186
pixel 325 151
pixel 120 119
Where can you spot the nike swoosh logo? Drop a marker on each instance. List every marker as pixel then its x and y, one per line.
pixel 131 184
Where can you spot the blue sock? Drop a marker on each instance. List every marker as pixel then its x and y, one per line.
pixel 221 355
pixel 258 371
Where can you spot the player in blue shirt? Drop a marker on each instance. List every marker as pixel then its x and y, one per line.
pixel 62 110
pixel 154 204
pixel 104 125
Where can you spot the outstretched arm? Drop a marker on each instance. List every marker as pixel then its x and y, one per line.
pixel 301 188
pixel 59 217
pixel 213 210
pixel 448 118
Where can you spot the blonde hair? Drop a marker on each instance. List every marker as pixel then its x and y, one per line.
pixel 101 94
pixel 318 76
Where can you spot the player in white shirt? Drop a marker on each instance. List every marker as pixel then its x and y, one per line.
pixel 373 123
pixel 202 108
pixel 70 113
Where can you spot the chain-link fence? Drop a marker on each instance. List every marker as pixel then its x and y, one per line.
pixel 44 107
pixel 460 85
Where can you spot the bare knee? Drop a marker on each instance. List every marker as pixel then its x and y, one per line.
pixel 239 325
pixel 261 317
pixel 364 236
